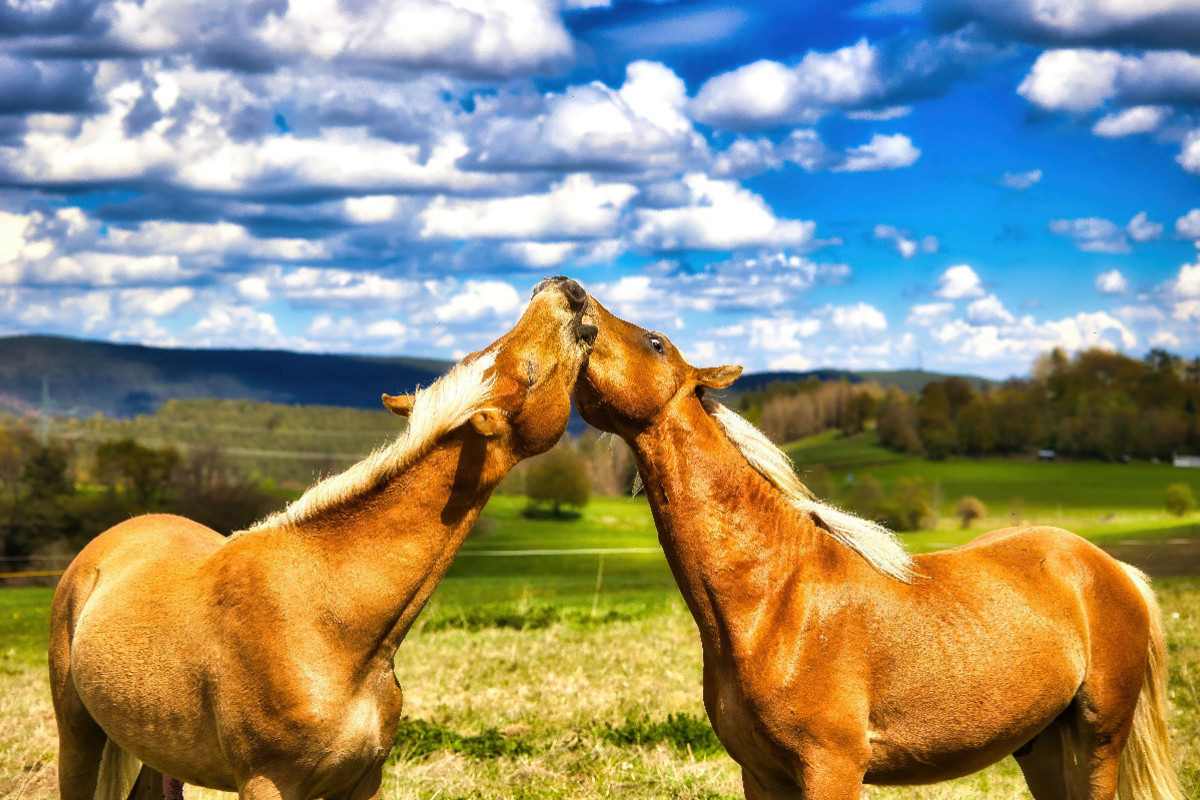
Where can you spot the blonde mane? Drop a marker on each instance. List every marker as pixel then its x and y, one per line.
pixel 879 546
pixel 437 409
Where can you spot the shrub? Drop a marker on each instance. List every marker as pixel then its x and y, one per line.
pixel 1179 499
pixel 969 509
pixel 558 479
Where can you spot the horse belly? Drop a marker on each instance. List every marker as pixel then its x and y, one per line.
pixel 966 721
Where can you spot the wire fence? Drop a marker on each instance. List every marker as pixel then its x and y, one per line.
pixel 12 563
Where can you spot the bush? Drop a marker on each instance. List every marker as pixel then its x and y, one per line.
pixel 969 509
pixel 909 507
pixel 557 479
pixel 1180 500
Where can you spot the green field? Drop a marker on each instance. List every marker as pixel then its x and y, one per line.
pixel 577 675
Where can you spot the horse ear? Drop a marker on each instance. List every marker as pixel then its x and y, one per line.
pixel 486 422
pixel 718 377
pixel 399 404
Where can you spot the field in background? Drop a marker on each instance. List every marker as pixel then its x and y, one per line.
pixel 577 675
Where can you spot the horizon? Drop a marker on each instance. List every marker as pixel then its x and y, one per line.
pixel 883 185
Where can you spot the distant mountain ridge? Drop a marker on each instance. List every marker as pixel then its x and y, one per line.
pixel 124 380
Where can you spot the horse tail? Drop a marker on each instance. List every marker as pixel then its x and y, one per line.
pixel 1146 772
pixel 118 773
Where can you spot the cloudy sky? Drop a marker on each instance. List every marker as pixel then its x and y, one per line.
pixel 960 184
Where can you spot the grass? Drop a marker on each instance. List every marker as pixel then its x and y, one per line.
pixel 1105 502
pixel 579 675
pixel 562 710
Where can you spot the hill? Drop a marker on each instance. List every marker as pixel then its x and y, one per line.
pixel 122 380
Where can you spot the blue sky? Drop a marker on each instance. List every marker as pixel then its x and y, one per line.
pixel 960 184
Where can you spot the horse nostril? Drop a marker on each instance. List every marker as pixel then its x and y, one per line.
pixel 587 334
pixel 576 296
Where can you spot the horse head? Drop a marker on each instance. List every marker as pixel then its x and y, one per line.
pixel 633 376
pixel 527 376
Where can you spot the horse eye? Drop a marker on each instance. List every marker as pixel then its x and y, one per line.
pixel 656 343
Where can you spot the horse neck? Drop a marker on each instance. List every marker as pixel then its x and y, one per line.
pixel 732 539
pixel 371 562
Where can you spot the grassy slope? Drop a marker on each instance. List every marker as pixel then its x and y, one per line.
pixel 1102 501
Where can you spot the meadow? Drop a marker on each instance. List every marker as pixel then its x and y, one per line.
pixel 577 675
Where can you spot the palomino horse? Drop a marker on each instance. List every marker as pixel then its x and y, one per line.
pixel 262 663
pixel 833 659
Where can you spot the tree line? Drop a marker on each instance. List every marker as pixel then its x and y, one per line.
pixel 57 496
pixel 1096 404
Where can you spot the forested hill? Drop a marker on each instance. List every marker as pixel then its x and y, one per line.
pixel 124 380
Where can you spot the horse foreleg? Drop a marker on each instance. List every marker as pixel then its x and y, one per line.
pixel 822 779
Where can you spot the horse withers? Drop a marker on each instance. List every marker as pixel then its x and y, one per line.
pixel 832 658
pixel 263 663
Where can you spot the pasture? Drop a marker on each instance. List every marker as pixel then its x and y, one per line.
pixel 578 675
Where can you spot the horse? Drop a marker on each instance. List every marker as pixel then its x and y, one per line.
pixel 262 663
pixel 834 659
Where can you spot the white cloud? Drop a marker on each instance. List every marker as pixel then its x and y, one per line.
pixel 1071 80
pixel 1188 226
pixel 641 127
pixel 720 215
pixel 1186 283
pixel 155 302
pixel 1021 180
pixel 1189 154
pixel 1141 229
pixel 1130 121
pixel 906 245
pixel 479 299
pixel 767 93
pixel 235 326
pixel 924 315
pixel 1080 80
pixel 1093 235
pixel 1154 23
pixel 577 206
pixel 857 320
pixel 1024 339
pixel 783 333
pixel 1112 282
pixel 959 282
pixel 792 362
pixel 988 310
pixel 882 152
pixel 472 36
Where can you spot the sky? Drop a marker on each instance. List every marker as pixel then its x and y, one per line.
pixel 958 185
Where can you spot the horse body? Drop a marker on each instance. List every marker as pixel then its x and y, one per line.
pixel 263 663
pixel 826 668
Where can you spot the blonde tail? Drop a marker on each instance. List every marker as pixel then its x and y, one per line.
pixel 118 773
pixel 1146 772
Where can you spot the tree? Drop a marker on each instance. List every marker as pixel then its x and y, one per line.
pixel 969 509
pixel 557 479
pixel 865 497
pixel 908 508
pixel 145 470
pixel 1179 499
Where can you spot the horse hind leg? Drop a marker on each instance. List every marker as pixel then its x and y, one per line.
pixel 80 739
pixel 1048 762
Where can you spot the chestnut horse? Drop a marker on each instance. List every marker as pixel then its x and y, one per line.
pixel 262 663
pixel 832 658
